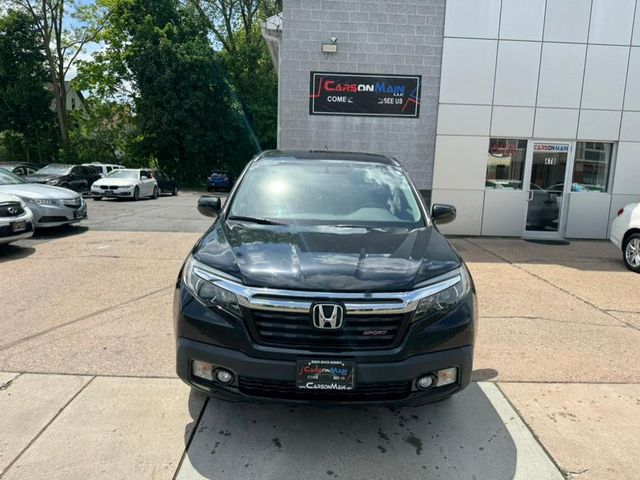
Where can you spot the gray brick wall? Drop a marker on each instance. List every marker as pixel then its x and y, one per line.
pixel 374 36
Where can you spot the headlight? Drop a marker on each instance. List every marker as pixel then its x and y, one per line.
pixel 53 181
pixel 41 201
pixel 206 290
pixel 446 299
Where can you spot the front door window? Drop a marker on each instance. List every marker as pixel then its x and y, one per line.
pixel 546 187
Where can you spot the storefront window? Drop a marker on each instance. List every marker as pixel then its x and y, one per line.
pixel 505 164
pixel 592 167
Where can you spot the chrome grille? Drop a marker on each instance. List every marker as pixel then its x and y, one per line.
pixel 296 330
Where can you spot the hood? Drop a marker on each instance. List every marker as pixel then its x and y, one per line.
pixel 42 178
pixel 6 197
pixel 115 181
pixel 327 258
pixel 36 191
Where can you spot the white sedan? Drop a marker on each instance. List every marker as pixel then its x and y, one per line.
pixel 16 220
pixel 625 234
pixel 126 183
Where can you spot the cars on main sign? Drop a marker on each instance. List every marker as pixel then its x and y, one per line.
pixel 74 177
pixel 126 183
pixel 324 279
pixel 625 234
pixel 51 206
pixel 16 220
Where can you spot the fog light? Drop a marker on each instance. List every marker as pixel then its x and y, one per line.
pixel 447 376
pixel 425 382
pixel 224 376
pixel 202 370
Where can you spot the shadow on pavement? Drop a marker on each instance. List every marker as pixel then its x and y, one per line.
pixel 15 252
pixel 59 232
pixel 585 255
pixel 463 437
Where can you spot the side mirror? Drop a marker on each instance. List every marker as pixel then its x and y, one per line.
pixel 441 214
pixel 209 206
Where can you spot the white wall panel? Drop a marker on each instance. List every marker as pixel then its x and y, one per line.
pixel 504 212
pixel 522 19
pixel 611 21
pixel 630 131
pixel 588 215
pixel 567 21
pixel 460 162
pixel 468 68
pixel 561 75
pixel 632 97
pixel 477 19
pixel 468 204
pixel 605 76
pixel 512 122
pixel 464 119
pixel 636 29
pixel 517 73
pixel 599 125
pixel 627 169
pixel 555 123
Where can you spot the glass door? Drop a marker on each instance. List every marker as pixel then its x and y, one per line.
pixel 548 185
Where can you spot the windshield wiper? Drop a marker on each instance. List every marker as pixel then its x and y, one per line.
pixel 258 220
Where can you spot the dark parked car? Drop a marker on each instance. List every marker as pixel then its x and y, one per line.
pixel 166 184
pixel 324 279
pixel 21 169
pixel 219 181
pixel 74 177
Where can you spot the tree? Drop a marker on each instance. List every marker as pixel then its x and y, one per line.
pixel 62 45
pixel 187 118
pixel 235 25
pixel 25 103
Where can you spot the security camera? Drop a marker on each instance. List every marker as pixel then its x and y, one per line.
pixel 334 39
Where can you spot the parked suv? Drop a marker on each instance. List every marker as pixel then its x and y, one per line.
pixel 323 279
pixel 74 177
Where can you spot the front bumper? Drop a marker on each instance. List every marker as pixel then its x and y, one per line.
pixel 264 380
pixel 7 230
pixel 46 216
pixel 120 192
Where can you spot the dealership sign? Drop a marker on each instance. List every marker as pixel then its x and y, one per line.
pixel 365 95
pixel 551 147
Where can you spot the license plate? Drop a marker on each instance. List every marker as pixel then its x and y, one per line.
pixel 19 226
pixel 326 375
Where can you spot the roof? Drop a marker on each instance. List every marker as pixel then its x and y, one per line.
pixel 329 155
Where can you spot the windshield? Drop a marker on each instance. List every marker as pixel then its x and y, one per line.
pixel 54 170
pixel 327 192
pixel 8 178
pixel 132 174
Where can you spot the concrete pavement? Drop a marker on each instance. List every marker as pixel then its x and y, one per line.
pixel 89 321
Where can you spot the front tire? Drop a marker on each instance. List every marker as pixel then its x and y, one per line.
pixel 136 194
pixel 155 193
pixel 175 191
pixel 631 252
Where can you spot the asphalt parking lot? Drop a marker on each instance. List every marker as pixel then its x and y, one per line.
pixel 88 389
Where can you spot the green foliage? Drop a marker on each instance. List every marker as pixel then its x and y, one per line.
pixel 27 122
pixel 104 132
pixel 255 83
pixel 185 112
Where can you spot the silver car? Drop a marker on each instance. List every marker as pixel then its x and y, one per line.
pixel 51 206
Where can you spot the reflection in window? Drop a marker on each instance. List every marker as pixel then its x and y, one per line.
pixel 591 167
pixel 505 164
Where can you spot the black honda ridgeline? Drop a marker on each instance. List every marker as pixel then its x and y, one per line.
pixel 323 279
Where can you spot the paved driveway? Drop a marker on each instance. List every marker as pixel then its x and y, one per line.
pixel 89 390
